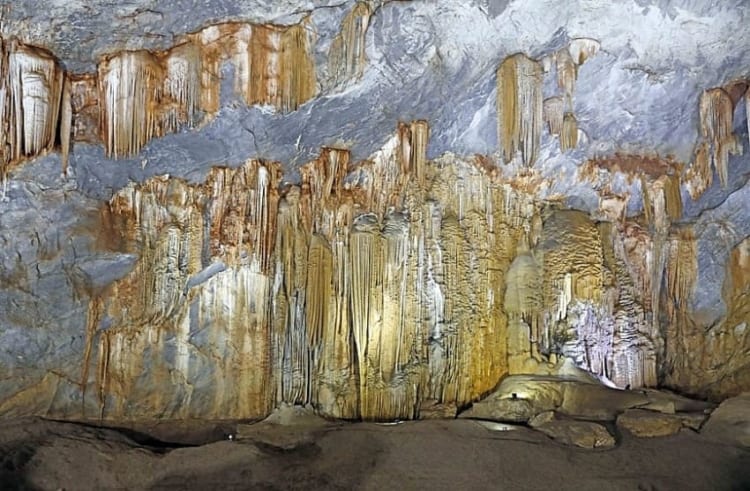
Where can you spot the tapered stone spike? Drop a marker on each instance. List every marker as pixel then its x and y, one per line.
pixel 346 56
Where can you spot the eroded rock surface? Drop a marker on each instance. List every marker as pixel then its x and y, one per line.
pixel 238 226
pixel 647 424
pixel 730 422
pixel 584 434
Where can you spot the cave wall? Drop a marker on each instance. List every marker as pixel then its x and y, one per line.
pixel 173 246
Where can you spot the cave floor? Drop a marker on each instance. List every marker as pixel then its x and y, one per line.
pixel 439 454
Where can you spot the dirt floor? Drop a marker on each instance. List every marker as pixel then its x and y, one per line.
pixel 433 455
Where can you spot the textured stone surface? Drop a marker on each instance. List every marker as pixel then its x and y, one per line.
pixel 617 238
pixel 583 434
pixel 730 422
pixel 521 398
pixel 648 424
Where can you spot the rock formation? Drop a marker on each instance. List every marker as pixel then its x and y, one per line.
pixel 356 208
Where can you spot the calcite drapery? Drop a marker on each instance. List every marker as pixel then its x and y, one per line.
pixel 31 101
pixel 346 57
pixel 347 339
pixel 139 95
pixel 143 95
pixel 519 108
pixel 371 290
pixel 325 301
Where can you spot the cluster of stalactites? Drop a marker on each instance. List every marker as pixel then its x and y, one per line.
pixel 346 57
pixel 143 95
pixel 138 95
pixel 273 64
pixel 519 108
pixel 129 91
pixel 205 259
pixel 567 61
pixel 34 104
pixel 382 181
pixel 717 143
pixel 558 109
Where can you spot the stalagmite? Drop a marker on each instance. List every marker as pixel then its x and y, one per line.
pixel 524 307
pixel 346 56
pixel 172 225
pixel 519 108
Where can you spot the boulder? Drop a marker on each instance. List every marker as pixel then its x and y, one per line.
pixel 287 427
pixel 730 422
pixel 503 410
pixel 694 421
pixel 584 434
pixel 669 403
pixel 519 398
pixel 542 418
pixel 646 424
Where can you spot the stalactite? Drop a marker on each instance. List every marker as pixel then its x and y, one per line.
pixel 346 56
pixel 682 267
pixel 569 134
pixel 581 49
pixel 673 197
pixel 700 175
pixel 736 294
pixel 66 125
pixel 384 179
pixel 519 108
pixel 129 89
pixel 84 99
pixel 567 73
pixel 554 111
pixel 31 92
pixel 717 115
pixel 182 87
